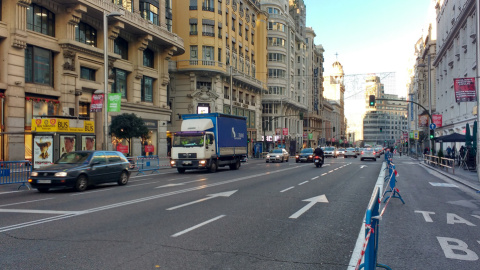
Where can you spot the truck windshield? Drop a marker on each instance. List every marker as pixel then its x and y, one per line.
pixel 188 141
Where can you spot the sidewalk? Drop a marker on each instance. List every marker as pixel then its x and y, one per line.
pixel 465 177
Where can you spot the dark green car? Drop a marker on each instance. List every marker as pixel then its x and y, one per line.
pixel 81 169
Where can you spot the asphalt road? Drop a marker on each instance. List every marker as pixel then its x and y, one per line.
pixel 263 216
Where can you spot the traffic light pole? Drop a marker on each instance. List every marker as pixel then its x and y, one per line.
pixel 429 115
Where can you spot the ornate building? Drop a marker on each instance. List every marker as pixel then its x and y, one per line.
pixel 52 61
pixel 224 67
pixel 334 91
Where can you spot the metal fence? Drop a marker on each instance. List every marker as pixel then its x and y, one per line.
pixel 15 172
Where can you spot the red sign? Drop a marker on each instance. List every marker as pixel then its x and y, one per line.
pixel 122 148
pixel 285 131
pixel 149 148
pixel 437 120
pixel 464 89
pixel 97 103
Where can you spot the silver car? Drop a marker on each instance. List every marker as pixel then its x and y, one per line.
pixel 330 152
pixel 368 153
pixel 279 155
pixel 350 152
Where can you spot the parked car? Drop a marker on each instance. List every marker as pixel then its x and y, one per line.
pixel 306 155
pixel 279 155
pixel 368 153
pixel 80 169
pixel 330 152
pixel 341 152
pixel 350 152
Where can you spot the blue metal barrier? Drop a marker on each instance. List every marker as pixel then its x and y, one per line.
pixel 372 220
pixel 15 172
pixel 147 163
pixel 391 186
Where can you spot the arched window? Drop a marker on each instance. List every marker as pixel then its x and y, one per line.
pixel 41 20
pixel 86 34
pixel 121 47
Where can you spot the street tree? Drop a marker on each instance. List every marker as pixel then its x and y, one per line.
pixel 128 126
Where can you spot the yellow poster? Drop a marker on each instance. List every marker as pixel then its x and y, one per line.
pixel 62 125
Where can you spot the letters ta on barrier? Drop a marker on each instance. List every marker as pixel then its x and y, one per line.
pixel 53 137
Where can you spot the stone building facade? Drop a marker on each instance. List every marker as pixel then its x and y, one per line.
pixel 52 61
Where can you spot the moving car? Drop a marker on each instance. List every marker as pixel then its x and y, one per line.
pixel 368 153
pixel 340 152
pixel 358 151
pixel 280 155
pixel 330 152
pixel 350 152
pixel 80 169
pixel 378 151
pixel 306 155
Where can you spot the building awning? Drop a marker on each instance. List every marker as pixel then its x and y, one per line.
pixel 208 22
pixel 193 21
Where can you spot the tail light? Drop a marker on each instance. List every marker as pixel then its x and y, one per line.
pixel 362 152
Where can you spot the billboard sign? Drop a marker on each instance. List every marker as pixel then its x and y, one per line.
pixel 464 89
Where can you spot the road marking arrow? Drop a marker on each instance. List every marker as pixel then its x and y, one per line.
pixel 181 184
pixel 363 166
pixel 313 201
pixel 211 196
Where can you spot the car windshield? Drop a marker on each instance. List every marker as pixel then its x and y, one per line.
pixel 307 150
pixel 73 158
pixel 329 148
pixel 368 150
pixel 277 151
pixel 350 149
pixel 341 149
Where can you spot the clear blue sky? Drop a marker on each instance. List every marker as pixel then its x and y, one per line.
pixel 370 35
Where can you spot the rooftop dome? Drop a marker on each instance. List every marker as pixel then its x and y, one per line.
pixel 337 68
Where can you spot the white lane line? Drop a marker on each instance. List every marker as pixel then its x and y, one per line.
pixel 303 183
pixel 323 174
pixel 136 185
pixel 197 226
pixel 315 177
pixel 29 211
pixel 25 202
pixel 8 192
pixel 330 171
pixel 287 189
pixel 335 169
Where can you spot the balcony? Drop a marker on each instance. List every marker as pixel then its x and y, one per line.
pixel 193 7
pixel 208 34
pixel 193 33
pixel 204 8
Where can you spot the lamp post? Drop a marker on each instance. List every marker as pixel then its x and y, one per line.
pixel 105 82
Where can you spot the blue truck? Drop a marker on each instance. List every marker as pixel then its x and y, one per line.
pixel 209 141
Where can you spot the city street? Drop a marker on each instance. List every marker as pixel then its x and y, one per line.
pixel 263 216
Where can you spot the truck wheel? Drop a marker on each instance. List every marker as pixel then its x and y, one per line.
pixel 235 166
pixel 180 170
pixel 213 167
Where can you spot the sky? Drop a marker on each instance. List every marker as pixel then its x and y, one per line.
pixel 370 36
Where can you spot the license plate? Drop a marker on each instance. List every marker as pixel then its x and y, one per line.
pixel 187 163
pixel 44 181
pixel 316 160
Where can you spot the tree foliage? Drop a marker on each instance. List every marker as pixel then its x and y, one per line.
pixel 128 126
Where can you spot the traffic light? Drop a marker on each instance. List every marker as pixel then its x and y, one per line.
pixel 371 101
pixel 431 134
pixel 248 140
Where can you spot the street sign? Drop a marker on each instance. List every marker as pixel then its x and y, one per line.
pixel 433 126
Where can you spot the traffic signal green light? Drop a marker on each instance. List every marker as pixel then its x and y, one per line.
pixel 431 134
pixel 371 100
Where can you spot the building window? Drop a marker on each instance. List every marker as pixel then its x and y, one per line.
pixel 208 55
pixel 126 4
pixel 121 47
pixel 193 29
pixel 38 65
pixel 193 55
pixel 193 4
pixel 87 73
pixel 208 30
pixel 208 5
pixel 219 55
pixel 168 14
pixel 148 58
pixel 219 7
pixel 149 12
pixel 86 34
pixel 147 89
pixel 39 105
pixel 40 20
pixel 120 82
pixel 84 109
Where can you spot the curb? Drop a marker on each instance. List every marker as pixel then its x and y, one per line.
pixel 457 179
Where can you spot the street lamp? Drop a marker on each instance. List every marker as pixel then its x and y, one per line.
pixel 105 82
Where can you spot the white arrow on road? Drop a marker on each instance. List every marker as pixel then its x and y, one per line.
pixel 211 196
pixel 363 166
pixel 313 201
pixel 180 184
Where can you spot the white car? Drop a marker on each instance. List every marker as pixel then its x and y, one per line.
pixel 368 153
pixel 350 152
pixel 279 155
pixel 341 152
pixel 330 152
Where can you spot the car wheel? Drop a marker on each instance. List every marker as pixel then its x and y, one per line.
pixel 355 156
pixel 287 159
pixel 374 159
pixel 81 184
pixel 361 159
pixel 123 179
pixel 266 161
pixel 43 189
pixel 213 167
pixel 344 156
pixel 180 170
pixel 297 161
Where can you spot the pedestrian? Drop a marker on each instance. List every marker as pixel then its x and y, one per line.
pixel 449 151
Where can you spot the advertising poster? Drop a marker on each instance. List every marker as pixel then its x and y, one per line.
pixel 114 102
pixel 97 103
pixel 423 120
pixel 464 89
pixel 88 143
pixel 437 120
pixel 42 151
pixel 67 144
